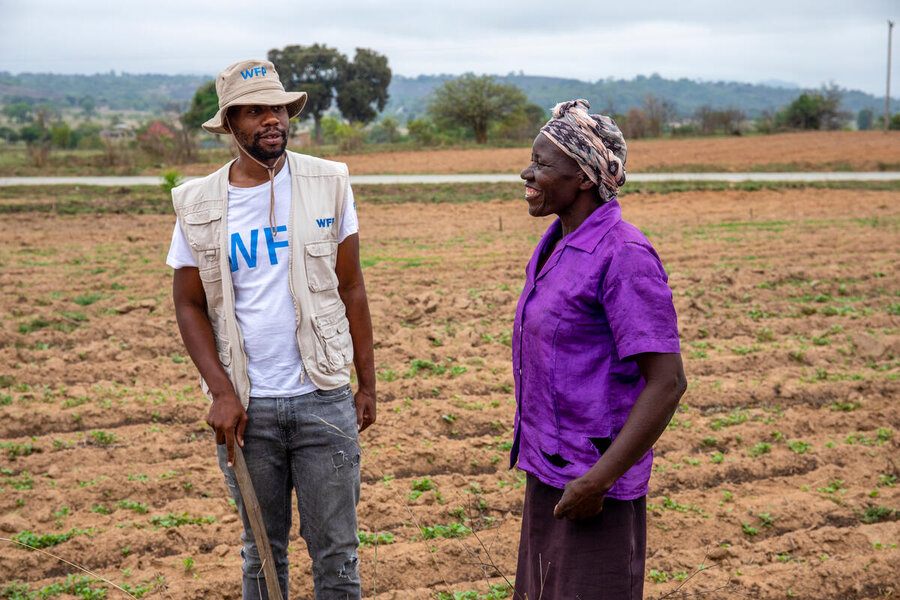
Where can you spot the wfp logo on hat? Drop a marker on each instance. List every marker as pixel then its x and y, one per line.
pixel 254 72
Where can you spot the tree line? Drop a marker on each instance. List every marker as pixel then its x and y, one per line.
pixel 478 107
pixel 468 107
pixel 358 86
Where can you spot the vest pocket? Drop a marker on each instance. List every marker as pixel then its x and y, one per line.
pixel 203 212
pixel 223 348
pixel 334 347
pixel 201 228
pixel 208 265
pixel 320 258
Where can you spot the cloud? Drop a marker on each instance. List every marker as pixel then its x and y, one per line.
pixel 803 41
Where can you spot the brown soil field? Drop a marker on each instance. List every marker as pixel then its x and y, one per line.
pixel 812 151
pixel 777 477
pixel 807 151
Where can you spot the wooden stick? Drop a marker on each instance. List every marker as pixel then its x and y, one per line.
pixel 257 525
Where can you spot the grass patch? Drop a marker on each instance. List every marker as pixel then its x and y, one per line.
pixel 669 504
pixel 733 418
pixel 49 539
pixel 760 449
pixel 84 199
pixel 80 586
pixel 33 325
pixel 104 438
pixel 882 435
pixel 876 514
pixel 12 449
pixel 87 299
pixel 172 520
pixel 138 507
pixel 418 365
pixel 373 539
pixel 150 199
pixel 453 530
pixel 497 591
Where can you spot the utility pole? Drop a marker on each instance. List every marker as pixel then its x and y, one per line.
pixel 887 95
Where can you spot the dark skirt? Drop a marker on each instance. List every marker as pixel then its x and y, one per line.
pixel 593 559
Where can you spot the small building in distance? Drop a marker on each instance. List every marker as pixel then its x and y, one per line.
pixel 120 131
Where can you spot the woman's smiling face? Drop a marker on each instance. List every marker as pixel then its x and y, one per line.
pixel 552 179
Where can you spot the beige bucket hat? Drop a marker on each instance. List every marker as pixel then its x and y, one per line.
pixel 252 82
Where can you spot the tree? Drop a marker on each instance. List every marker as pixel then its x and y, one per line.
pixel 386 130
pixel 474 102
pixel 37 137
pixel 815 110
pixel 88 105
pixel 87 135
pixel 18 111
pixel 61 135
pixel 422 131
pixel 522 124
pixel 727 121
pixel 204 106
pixel 31 133
pixel 658 113
pixel 10 135
pixel 864 119
pixel 832 115
pixel 158 140
pixel 361 84
pixel 635 125
pixel 182 130
pixel 803 112
pixel 312 69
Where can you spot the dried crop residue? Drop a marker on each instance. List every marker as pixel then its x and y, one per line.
pixel 779 472
pixel 809 151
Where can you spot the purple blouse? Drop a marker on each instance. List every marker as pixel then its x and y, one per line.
pixel 601 297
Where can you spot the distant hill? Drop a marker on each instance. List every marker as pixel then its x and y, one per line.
pixel 408 95
pixel 123 91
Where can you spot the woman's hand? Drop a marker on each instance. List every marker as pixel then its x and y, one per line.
pixel 664 374
pixel 581 499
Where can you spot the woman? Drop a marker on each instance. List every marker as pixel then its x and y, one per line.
pixel 597 369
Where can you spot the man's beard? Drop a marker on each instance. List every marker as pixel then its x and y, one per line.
pixel 254 148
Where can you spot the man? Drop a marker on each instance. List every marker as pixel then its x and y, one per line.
pixel 271 304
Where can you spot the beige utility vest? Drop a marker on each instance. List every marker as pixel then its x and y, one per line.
pixel 318 191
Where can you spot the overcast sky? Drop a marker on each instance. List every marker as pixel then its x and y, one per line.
pixel 804 42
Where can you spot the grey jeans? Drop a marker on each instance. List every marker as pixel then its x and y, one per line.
pixel 307 444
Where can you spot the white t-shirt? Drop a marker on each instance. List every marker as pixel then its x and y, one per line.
pixel 259 271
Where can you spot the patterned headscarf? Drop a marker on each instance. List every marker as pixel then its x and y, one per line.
pixel 593 141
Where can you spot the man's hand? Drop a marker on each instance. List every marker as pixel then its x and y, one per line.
pixel 580 500
pixel 229 419
pixel 352 290
pixel 365 408
pixel 226 415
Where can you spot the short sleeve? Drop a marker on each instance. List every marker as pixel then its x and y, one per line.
pixel 638 302
pixel 349 221
pixel 180 254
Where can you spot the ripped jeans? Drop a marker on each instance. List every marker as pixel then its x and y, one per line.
pixel 307 444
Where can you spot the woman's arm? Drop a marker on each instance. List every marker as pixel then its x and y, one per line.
pixel 654 407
